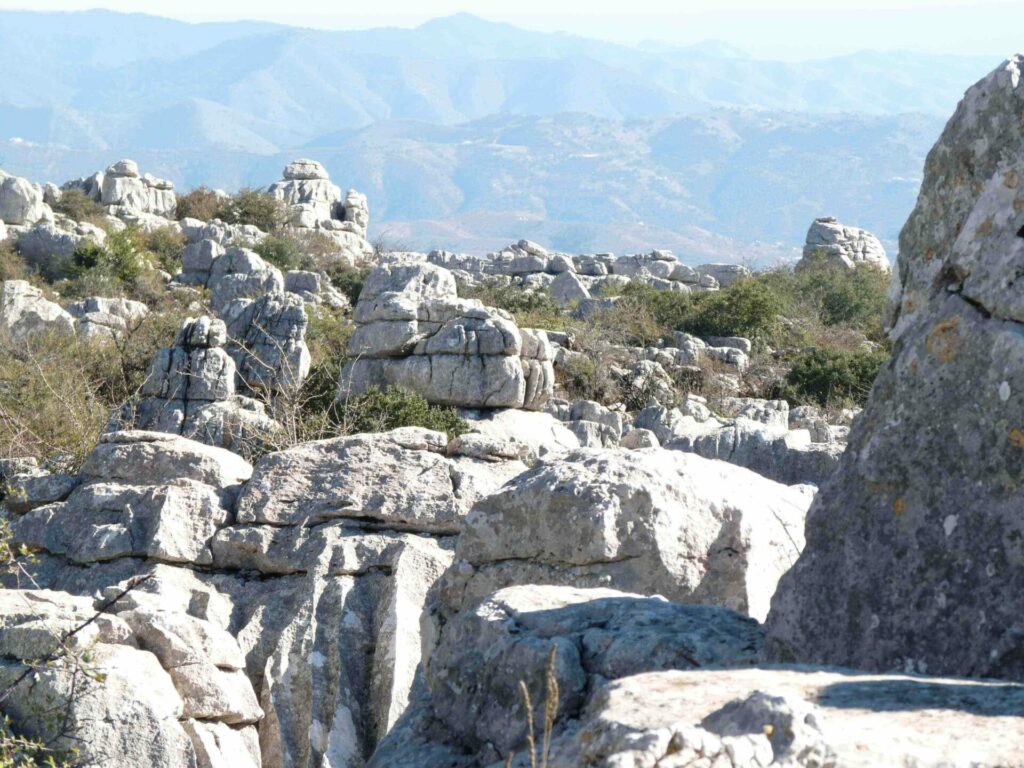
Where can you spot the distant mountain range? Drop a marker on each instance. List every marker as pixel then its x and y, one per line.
pixel 466 133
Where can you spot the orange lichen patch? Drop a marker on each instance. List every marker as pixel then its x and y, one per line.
pixel 944 340
pixel 1018 204
pixel 985 228
pixel 929 255
pixel 959 226
pixel 1011 180
pixel 899 506
pixel 908 306
pixel 1016 436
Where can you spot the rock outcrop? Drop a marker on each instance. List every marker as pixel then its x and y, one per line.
pixel 843 245
pixel 126 193
pixel 25 312
pixel 49 245
pixel 317 204
pixel 102 318
pixel 21 201
pixel 647 521
pixel 914 550
pixel 414 332
pixel 193 390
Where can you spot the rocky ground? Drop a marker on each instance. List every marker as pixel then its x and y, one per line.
pixel 347 506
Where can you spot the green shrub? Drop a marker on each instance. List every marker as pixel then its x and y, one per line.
pixel 834 295
pixel 283 252
pixel 747 308
pixel 382 410
pixel 347 279
pixel 530 308
pixel 834 376
pixel 119 257
pixel 166 245
pixel 669 309
pixel 202 203
pixel 77 205
pixel 252 206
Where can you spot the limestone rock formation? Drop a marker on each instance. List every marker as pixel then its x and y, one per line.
pixel 744 718
pixel 193 390
pixel 24 312
pixel 49 245
pixel 843 245
pixel 648 521
pixel 402 479
pixel 414 332
pixel 597 634
pixel 128 194
pixel 103 318
pixel 317 204
pixel 21 201
pixel 167 510
pixel 914 555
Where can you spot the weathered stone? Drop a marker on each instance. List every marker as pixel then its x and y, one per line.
pixel 651 521
pixel 400 478
pixel 843 246
pixel 130 719
pixel 595 634
pixel 50 245
pixel 24 312
pixel 101 521
pixel 152 458
pixel 21 201
pixel 796 717
pixel 915 544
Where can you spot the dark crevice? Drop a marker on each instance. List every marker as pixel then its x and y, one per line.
pixel 1020 232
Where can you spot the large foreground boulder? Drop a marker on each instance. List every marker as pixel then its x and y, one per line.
pixel 468 707
pixel 649 521
pixel 915 552
pixel 795 718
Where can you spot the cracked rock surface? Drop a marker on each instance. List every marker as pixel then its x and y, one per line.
pixel 917 540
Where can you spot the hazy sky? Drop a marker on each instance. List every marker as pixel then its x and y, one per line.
pixel 789 29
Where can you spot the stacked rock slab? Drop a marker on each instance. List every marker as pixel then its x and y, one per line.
pixel 192 390
pixel 127 194
pixel 914 557
pixel 843 245
pixel 317 205
pixel 24 312
pixel 414 332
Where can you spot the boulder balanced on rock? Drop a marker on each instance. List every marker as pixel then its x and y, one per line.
pixel 414 332
pixel 843 245
pixel 915 555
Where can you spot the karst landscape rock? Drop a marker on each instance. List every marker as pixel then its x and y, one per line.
pixel 347 506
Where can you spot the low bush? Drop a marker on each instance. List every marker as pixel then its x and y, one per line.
pixel 77 205
pixel 530 308
pixel 166 245
pixel 57 391
pixel 347 278
pixel 283 252
pixel 748 308
pixel 202 203
pixel 255 207
pixel 382 410
pixel 669 309
pixel 834 377
pixel 12 266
